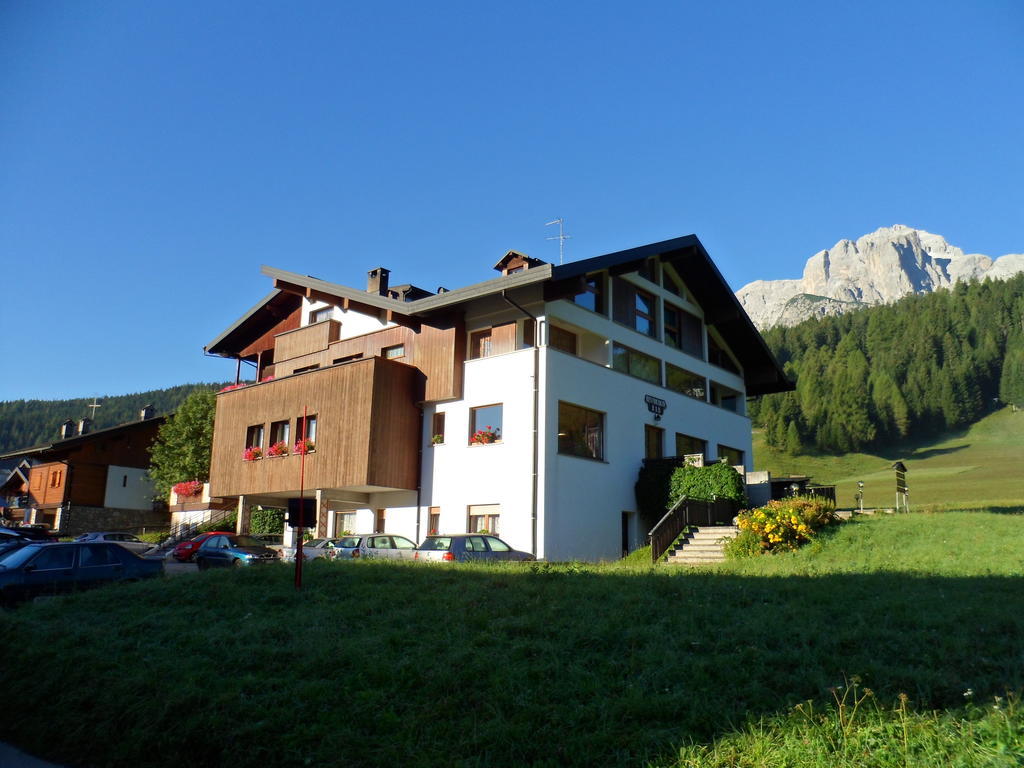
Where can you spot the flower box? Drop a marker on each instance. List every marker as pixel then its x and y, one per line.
pixel 279 448
pixel 252 453
pixel 304 446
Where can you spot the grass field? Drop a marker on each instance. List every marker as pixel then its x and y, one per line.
pixel 406 664
pixel 981 468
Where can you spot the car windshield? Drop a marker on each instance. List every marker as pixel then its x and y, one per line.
pixel 245 541
pixel 19 557
pixel 348 542
pixel 438 543
pixel 315 543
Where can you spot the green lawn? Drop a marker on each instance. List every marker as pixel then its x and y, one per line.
pixel 411 664
pixel 980 468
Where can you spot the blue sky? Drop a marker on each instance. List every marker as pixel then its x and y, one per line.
pixel 153 155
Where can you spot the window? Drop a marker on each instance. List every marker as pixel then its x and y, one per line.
pixel 492 341
pixel 670 284
pixel 684 331
pixel 654 440
pixel 725 397
pixel 379 520
pixel 37 481
pixel 434 521
pixel 636 364
pixel 398 350
pixel 634 308
pixel 649 270
pixel 305 368
pixel 559 338
pixel 55 558
pixel 319 315
pixel 437 429
pixel 484 518
pixel 529 332
pixel 91 555
pixel 688 446
pixel 344 523
pixel 485 424
pixel 306 428
pixel 497 545
pixel 280 432
pixel 347 358
pixel 686 382
pixel 591 295
pixel 580 431
pixel 719 356
pixel 733 457
pixel 55 478
pixel 254 436
pixel 124 481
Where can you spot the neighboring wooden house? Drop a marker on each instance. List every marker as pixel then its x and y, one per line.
pixel 522 405
pixel 88 480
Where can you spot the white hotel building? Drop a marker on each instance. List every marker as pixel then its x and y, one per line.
pixel 523 405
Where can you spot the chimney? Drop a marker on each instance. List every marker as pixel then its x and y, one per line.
pixel 67 429
pixel 377 281
pixel 442 289
pixel 146 412
pixel 84 425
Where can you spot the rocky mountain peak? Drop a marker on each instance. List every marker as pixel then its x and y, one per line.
pixel 877 268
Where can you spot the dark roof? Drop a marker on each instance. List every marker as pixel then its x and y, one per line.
pixel 263 316
pixel 59 446
pixel 762 372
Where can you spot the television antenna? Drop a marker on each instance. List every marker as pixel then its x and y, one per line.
pixel 561 237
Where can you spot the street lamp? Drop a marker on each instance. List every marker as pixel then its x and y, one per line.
pixel 860 495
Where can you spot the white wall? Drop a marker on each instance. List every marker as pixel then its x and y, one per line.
pixel 128 488
pixel 457 474
pixel 352 323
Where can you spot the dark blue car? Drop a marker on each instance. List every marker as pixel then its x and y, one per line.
pixel 53 569
pixel 225 551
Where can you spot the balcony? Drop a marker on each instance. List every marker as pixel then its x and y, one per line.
pixel 367 434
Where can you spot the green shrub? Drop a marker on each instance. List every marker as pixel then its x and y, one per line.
pixel 785 524
pixel 224 524
pixel 266 520
pixel 154 537
pixel 652 489
pixel 745 544
pixel 715 480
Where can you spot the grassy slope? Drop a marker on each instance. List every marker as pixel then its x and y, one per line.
pixel 980 468
pixel 545 665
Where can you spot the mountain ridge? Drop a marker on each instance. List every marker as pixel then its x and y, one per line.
pixel 877 268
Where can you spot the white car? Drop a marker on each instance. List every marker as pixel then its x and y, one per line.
pixel 386 545
pixel 126 540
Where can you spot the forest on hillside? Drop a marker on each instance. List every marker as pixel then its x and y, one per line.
pixel 917 367
pixel 25 423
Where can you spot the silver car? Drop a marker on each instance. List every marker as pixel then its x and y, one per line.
pixel 386 545
pixel 462 547
pixel 126 540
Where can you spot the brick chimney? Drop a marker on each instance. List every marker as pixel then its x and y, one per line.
pixel 377 281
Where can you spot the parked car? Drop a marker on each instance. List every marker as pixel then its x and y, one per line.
pixel 274 541
pixel 225 551
pixel 50 568
pixel 468 546
pixel 10 543
pixel 185 551
pixel 33 532
pixel 386 545
pixel 316 548
pixel 126 540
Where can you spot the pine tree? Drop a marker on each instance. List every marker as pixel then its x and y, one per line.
pixel 793 445
pixel 1011 384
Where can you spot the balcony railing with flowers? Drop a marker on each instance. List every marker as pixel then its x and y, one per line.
pixel 188 488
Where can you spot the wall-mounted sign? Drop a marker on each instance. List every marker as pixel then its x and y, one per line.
pixel 655 405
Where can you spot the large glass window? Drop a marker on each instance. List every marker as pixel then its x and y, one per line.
pixel 634 307
pixel 580 431
pixel 591 295
pixel 687 445
pixel 725 397
pixel 686 382
pixel 254 436
pixel 684 331
pixel 636 364
pixel 280 431
pixel 718 355
pixel 733 456
pixel 306 428
pixel 485 424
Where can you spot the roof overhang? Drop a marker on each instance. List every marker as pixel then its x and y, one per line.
pixel 269 311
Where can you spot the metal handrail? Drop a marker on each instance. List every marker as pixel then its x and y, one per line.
pixel 679 517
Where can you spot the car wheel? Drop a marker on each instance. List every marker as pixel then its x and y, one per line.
pixel 235 562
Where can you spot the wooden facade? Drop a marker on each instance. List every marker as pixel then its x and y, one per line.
pixel 367 433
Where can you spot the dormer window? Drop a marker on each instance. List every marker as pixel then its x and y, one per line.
pixel 514 262
pixel 319 315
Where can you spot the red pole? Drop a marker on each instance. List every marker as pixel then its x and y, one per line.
pixel 302 501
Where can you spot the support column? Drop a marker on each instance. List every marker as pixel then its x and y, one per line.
pixel 321 514
pixel 244 515
pixel 332 520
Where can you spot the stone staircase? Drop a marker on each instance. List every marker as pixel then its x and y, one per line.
pixel 701 546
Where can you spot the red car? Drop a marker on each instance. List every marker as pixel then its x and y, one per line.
pixel 186 550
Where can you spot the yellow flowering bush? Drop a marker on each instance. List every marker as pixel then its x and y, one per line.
pixel 785 524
